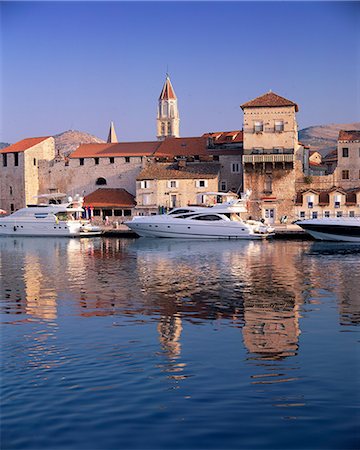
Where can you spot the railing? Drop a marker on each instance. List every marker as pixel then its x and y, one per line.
pixel 271 158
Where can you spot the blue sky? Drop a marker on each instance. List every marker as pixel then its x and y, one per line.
pixel 78 65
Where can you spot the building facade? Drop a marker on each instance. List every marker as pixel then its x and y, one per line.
pixel 20 171
pixel 272 156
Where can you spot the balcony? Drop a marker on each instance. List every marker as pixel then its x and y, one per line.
pixel 269 158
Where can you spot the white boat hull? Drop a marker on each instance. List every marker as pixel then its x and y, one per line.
pixel 338 229
pixel 34 228
pixel 193 231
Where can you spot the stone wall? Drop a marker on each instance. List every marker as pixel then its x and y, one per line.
pixel 72 178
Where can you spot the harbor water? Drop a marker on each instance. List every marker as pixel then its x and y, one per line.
pixel 110 343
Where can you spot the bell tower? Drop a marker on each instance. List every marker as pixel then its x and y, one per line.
pixel 168 120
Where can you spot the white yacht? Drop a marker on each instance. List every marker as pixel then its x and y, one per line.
pixel 219 221
pixel 50 219
pixel 345 229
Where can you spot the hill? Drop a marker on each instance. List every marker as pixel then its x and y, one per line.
pixel 68 141
pixel 3 145
pixel 323 138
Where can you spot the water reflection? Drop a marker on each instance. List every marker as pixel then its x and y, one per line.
pixel 258 287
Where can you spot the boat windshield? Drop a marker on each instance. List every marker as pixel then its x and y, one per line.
pixel 180 211
pixel 64 216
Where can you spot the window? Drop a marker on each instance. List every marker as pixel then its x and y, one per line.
pixel 172 184
pixel 258 150
pixel 118 212
pixel 144 184
pixel 345 174
pixel 169 128
pixel 111 160
pixel 351 213
pixel 11 190
pixel 127 159
pixel 345 152
pixel 268 183
pixel 278 150
pixel 258 126
pixel 223 186
pixel 101 181
pixel 215 157
pixel 96 161
pixel 279 125
pixel 207 217
pixel 12 208
pixel 310 201
pixel 16 159
pixel 314 215
pixel 127 212
pixel 196 158
pixel 96 212
pixel 235 167
pixel 302 214
pixel 107 212
pixel 201 183
pixel 81 160
pixel 326 213
pixel 162 128
pixel 4 159
pixel 34 161
pixel 339 213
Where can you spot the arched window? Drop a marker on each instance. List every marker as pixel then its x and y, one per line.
pixel 100 181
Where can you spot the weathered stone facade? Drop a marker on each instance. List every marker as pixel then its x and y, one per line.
pixel 273 158
pixel 21 171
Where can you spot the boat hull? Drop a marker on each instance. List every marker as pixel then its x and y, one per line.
pixel 348 231
pixel 34 228
pixel 193 231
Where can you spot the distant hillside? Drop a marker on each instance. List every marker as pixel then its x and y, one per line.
pixel 3 145
pixel 68 141
pixel 323 138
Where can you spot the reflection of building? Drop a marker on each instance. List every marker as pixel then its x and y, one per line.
pixel 169 329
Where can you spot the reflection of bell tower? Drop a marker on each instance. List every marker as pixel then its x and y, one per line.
pixel 168 114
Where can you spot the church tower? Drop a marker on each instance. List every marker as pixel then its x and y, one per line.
pixel 168 114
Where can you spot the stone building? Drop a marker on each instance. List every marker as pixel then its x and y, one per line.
pixel 335 202
pixel 273 157
pixel 348 159
pixel 111 205
pixel 20 171
pixel 168 119
pixel 162 186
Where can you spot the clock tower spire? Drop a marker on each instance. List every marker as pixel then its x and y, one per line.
pixel 168 114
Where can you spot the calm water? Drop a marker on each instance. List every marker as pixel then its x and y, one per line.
pixel 157 344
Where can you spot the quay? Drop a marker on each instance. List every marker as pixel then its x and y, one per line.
pixel 282 231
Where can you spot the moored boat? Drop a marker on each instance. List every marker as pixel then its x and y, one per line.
pixel 218 221
pixel 50 219
pixel 345 229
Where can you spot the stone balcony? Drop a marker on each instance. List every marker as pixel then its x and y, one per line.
pixel 269 158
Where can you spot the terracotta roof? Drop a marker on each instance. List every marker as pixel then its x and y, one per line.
pixel 349 135
pixel 189 146
pixel 269 99
pixel 107 197
pixel 225 137
pixel 117 149
pixel 23 145
pixel 167 92
pixel 160 171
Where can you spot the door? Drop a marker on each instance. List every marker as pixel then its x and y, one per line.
pixel 172 201
pixel 269 215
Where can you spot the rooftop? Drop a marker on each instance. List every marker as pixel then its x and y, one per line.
pixel 24 145
pixel 349 135
pixel 106 197
pixel 269 99
pixel 115 149
pixel 161 171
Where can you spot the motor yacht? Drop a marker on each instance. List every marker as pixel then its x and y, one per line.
pixel 345 229
pixel 218 221
pixel 49 219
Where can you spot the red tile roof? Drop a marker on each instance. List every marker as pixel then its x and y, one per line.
pixel 269 99
pixel 225 137
pixel 107 197
pixel 117 149
pixel 23 145
pixel 189 146
pixel 167 92
pixel 349 135
pixel 159 171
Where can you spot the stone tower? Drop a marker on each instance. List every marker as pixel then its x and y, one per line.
pixel 168 114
